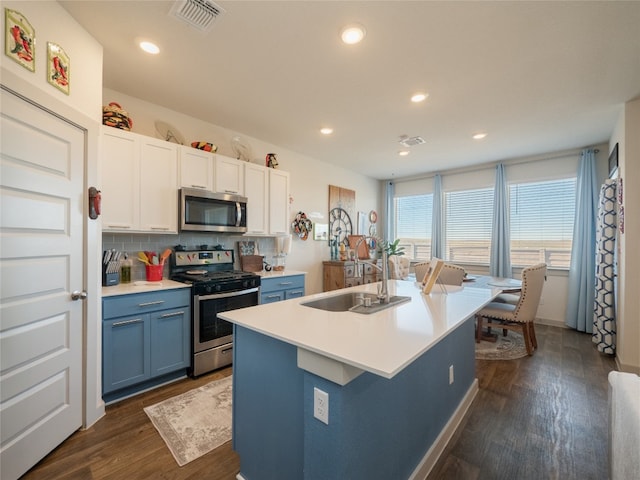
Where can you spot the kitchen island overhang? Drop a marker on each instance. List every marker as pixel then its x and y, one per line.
pixel 386 420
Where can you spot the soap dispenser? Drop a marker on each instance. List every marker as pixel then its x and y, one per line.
pixel 125 269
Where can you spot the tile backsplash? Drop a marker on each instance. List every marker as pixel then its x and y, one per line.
pixel 133 243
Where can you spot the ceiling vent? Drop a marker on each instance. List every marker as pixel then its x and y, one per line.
pixel 200 14
pixel 406 141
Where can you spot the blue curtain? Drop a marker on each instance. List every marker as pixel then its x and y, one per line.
pixel 500 264
pixel 583 270
pixel 437 240
pixel 389 212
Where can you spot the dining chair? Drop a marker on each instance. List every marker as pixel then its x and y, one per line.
pixel 520 316
pixel 449 275
pixel 420 270
pixel 399 267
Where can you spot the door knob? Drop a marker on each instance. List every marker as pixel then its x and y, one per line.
pixel 78 295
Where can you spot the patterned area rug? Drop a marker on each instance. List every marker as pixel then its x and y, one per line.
pixel 506 348
pixel 195 422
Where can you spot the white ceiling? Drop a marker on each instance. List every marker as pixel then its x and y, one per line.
pixel 536 76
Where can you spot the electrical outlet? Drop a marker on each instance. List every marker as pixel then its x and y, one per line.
pixel 321 405
pixel 450 374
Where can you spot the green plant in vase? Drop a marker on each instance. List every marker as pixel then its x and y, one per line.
pixel 392 248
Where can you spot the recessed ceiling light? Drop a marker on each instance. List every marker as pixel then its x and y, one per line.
pixel 352 34
pixel 419 97
pixel 479 136
pixel 326 131
pixel 403 153
pixel 150 47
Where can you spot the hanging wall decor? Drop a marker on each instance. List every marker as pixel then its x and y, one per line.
pixel 20 39
pixel 58 67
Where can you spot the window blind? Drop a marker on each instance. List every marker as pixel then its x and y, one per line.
pixel 468 216
pixel 413 224
pixel 542 216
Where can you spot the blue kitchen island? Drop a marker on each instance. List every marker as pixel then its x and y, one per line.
pixel 398 382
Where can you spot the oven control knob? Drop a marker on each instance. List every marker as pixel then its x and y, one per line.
pixel 218 288
pixel 245 284
pixel 208 288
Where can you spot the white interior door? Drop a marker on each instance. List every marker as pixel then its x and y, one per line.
pixel 41 255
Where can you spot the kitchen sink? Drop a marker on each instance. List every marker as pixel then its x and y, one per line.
pixel 355 302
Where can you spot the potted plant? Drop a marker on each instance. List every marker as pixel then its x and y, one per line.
pixel 392 248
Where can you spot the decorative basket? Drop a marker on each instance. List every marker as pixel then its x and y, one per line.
pixel 114 116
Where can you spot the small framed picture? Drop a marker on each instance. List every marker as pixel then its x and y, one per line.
pixel 58 67
pixel 320 231
pixel 20 39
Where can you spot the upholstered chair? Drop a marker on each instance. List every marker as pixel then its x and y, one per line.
pixel 399 267
pixel 449 275
pixel 520 316
pixel 421 270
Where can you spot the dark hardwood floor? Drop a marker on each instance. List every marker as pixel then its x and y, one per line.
pixel 539 417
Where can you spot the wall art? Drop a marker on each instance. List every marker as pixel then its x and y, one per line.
pixel 20 39
pixel 58 67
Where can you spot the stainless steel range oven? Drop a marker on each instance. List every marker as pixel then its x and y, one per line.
pixel 216 287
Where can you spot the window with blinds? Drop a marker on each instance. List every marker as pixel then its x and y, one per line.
pixel 413 225
pixel 468 217
pixel 541 217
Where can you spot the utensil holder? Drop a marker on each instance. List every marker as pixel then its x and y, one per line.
pixel 154 272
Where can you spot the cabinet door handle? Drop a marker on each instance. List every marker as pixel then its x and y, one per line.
pixel 198 186
pixel 285 283
pixel 118 226
pixel 160 228
pixel 148 304
pixel 174 314
pixel 296 292
pixel 273 296
pixel 127 322
pixel 230 191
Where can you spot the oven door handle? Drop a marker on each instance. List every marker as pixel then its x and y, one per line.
pixel 226 294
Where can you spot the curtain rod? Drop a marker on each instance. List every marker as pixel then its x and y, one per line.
pixel 484 166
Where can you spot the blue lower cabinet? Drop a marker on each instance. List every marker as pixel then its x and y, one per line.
pixel 147 343
pixel 170 334
pixel 125 357
pixel 276 289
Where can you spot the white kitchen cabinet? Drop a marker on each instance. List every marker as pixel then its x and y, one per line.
pixel 196 168
pixel 158 186
pixel 120 180
pixel 139 183
pixel 256 187
pixel 267 192
pixel 228 175
pixel 278 202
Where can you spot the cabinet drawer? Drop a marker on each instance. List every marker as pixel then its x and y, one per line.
pixel 282 283
pixel 294 293
pixel 113 307
pixel 271 297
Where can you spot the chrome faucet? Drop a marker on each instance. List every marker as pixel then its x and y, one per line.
pixel 383 289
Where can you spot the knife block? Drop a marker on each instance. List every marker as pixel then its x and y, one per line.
pixel 110 279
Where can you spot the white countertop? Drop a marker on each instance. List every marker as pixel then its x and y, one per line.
pixel 280 273
pixel 382 343
pixel 141 287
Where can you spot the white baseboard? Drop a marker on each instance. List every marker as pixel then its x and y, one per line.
pixel 551 323
pixel 433 454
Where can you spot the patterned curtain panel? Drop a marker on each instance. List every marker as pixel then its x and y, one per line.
pixel 604 321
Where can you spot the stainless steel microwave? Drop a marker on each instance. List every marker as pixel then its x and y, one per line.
pixel 204 211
